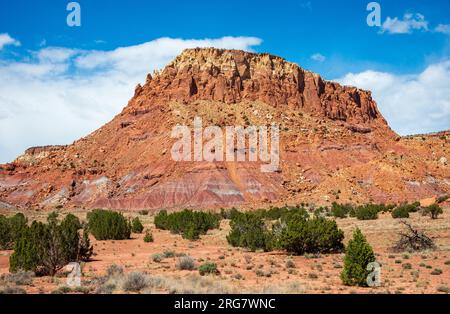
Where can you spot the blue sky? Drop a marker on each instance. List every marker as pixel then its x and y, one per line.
pixel 292 29
pixel 411 51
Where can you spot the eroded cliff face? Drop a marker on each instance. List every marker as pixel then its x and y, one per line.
pixel 334 146
pixel 233 76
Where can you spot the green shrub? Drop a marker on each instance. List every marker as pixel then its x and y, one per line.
pixel 316 235
pixel 400 212
pixel 368 212
pixel 46 248
pixel 340 210
pixel 433 211
pixel 188 223
pixel 249 231
pixel 157 258
pixel 358 254
pixel 108 225
pixel 136 225
pixel 228 213
pixel 442 199
pixel 208 269
pixel 11 230
pixel 148 237
pixel 85 250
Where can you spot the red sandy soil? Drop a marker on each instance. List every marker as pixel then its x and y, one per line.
pixel 312 274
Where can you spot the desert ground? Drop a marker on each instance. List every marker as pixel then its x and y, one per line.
pixel 242 271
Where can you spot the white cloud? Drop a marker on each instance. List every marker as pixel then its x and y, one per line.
pixel 443 28
pixel 418 103
pixel 56 95
pixel 318 57
pixel 5 40
pixel 407 25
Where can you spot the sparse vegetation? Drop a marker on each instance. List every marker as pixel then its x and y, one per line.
pixel 358 254
pixel 135 282
pixel 148 236
pixel 186 263
pixel 21 278
pixel 436 272
pixel 208 269
pixel 157 258
pixel 108 225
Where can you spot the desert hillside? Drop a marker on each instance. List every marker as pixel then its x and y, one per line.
pixel 335 145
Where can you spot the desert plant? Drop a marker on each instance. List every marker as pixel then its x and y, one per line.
pixel 290 263
pixel 186 263
pixel 208 269
pixel 442 199
pixel 114 270
pixel 248 230
pixel 433 211
pixel 136 225
pixel 400 212
pixel 340 210
pixel 85 249
pixel 157 258
pixel 135 282
pixel 413 240
pixel 11 229
pixel 46 248
pixel 21 278
pixel 358 254
pixel 12 290
pixel 316 235
pixel 368 212
pixel 188 223
pixel 108 225
pixel 148 236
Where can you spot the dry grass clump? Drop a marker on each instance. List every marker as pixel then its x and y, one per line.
pixel 186 263
pixel 21 278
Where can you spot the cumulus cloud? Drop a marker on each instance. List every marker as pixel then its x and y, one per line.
pixel 443 28
pixel 56 95
pixel 318 57
pixel 416 103
pixel 5 40
pixel 407 25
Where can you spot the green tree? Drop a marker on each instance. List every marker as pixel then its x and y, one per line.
pixel 358 255
pixel 248 230
pixel 316 235
pixel 46 248
pixel 136 225
pixel 108 225
pixel 433 211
